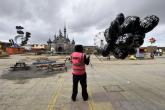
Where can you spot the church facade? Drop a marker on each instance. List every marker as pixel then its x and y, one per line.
pixel 61 43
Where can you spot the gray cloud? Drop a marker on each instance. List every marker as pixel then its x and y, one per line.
pixel 83 18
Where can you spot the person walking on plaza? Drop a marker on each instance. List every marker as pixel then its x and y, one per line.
pixel 78 60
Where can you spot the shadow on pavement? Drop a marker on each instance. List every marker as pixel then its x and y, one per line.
pixel 28 74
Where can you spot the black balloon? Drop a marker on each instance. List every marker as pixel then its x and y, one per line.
pixel 120 53
pixel 120 18
pixel 148 23
pixel 130 24
pixel 124 40
pixel 131 51
pixel 105 51
pixel 19 27
pixel 20 32
pixel 106 34
pixel 124 35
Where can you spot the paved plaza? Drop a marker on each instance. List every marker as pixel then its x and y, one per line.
pixel 112 85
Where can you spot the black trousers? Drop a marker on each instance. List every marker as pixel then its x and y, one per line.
pixel 83 82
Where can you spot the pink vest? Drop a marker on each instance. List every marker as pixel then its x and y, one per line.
pixel 78 64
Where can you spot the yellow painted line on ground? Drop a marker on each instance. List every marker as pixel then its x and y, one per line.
pixel 51 105
pixel 93 106
pixel 91 102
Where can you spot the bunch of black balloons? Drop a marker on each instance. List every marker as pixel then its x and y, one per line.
pixel 125 34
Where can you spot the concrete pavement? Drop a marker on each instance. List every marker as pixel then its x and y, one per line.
pixel 112 85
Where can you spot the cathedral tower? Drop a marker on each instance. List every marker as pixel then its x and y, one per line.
pixel 65 31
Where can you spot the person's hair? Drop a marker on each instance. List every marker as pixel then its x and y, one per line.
pixel 78 48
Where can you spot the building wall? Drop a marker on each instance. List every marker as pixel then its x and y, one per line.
pixel 4 45
pixel 39 46
pixel 89 49
pixel 61 43
pixel 65 47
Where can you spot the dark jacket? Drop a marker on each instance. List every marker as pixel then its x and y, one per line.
pixel 86 60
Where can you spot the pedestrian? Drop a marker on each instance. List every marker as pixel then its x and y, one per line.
pixel 79 60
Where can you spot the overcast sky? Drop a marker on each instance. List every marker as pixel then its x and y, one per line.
pixel 83 18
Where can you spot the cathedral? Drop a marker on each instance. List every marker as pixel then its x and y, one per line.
pixel 61 43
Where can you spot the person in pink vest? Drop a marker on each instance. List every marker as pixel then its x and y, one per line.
pixel 79 60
